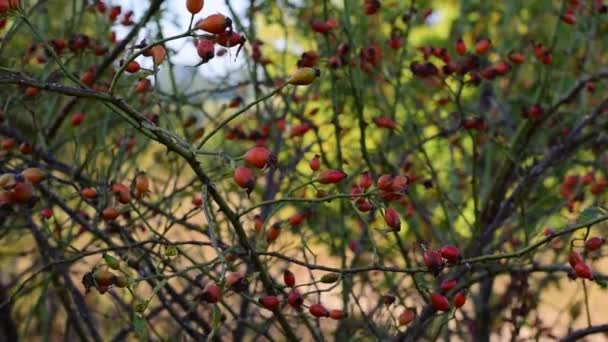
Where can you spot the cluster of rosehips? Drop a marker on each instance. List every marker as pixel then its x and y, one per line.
pixel 102 278
pixel 580 268
pixel 220 26
pixel 258 157
pixel 114 12
pixel 296 300
pixel 122 194
pixel 235 281
pixel 571 183
pixel 19 188
pixel 569 15
pixel 434 259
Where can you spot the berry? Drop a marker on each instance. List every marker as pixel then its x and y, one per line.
pixel 104 277
pixel 332 176
pixel 295 299
pixel 244 178
pixel 318 310
pixel 391 216
pixel 77 119
pixel 448 284
pixel 258 157
pixel 289 278
pixel 439 302
pixel 450 253
pixel 594 243
pixel 315 163
pixel 211 293
pixel 433 261
pixel 269 302
pixel 406 317
pixel 33 175
pixel 459 299
pixel 194 6
pixel 583 271
pixel 336 314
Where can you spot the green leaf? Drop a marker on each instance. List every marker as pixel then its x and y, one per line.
pixel 601 283
pixel 141 329
pixel 591 214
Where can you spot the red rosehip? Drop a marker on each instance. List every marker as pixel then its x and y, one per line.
pixel 391 216
pixel 132 67
pixel 482 46
pixel 205 49
pixel 315 163
pixel 269 302
pixel 450 253
pixel 289 278
pixel 46 213
pixel 295 299
pixel 583 271
pixel 211 293
pixel 332 176
pixel 461 47
pixel 406 317
pixel 258 157
pixel 385 122
pixel 318 310
pixel 244 178
pixel 336 314
pixel 439 302
pixel 433 261
pixel 459 299
pixel 385 182
pixel 77 119
pixel 594 243
pixel 448 284
pixel 366 180
pixel 574 258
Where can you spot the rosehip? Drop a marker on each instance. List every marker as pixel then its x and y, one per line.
pixel 104 277
pixel 433 261
pixel 391 216
pixel 315 163
pixel 336 314
pixel 258 157
pixel 77 119
pixel 215 23
pixel 132 67
pixel 448 284
pixel 318 310
pixel 109 214
pixel 295 299
pixel 583 271
pixel 244 178
pixel 450 253
pixel 211 293
pixel 459 299
pixel 289 278
pixel 574 258
pixel 482 46
pixel 269 302
pixel 194 6
pixel 332 176
pixel 33 175
pixel 407 316
pixel 594 243
pixel 461 48
pixel 46 213
pixel 439 302
pixel 88 193
pixel 385 182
